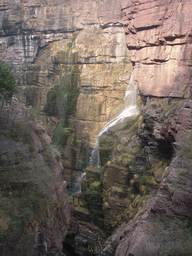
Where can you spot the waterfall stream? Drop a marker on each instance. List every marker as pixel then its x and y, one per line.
pixel 95 157
pixel 129 110
pixel 75 186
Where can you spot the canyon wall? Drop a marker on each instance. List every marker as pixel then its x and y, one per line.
pixel 82 45
pixel 34 209
pixel 152 189
pixel 158 36
pixel 45 41
pixel 34 33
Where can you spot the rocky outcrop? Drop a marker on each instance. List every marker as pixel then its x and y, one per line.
pixel 158 36
pixel 29 27
pixel 26 30
pixel 164 225
pixel 104 72
pixel 34 199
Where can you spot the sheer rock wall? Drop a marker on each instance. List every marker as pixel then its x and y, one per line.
pixel 44 40
pixel 158 36
pixel 33 32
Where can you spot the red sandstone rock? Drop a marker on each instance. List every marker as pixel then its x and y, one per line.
pixel 109 11
pixel 147 235
pixel 158 35
pixel 182 121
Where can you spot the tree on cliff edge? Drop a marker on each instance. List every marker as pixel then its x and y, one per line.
pixel 7 83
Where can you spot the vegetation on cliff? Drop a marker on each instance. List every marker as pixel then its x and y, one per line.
pixel 61 102
pixel 7 83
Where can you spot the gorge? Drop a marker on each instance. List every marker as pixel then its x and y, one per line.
pixel 73 61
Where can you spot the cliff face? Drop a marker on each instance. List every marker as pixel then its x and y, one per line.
pixel 75 44
pixel 158 36
pixel 29 29
pixel 34 200
pixel 46 41
pixel 75 52
pixel 162 224
pixel 27 26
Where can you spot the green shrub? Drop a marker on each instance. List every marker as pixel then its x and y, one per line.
pixel 51 107
pixel 96 186
pixel 61 134
pixel 3 158
pixel 107 140
pixel 94 199
pixel 32 149
pixel 132 124
pixel 61 102
pixel 7 83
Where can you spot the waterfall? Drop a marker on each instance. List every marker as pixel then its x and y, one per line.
pixel 75 186
pixel 130 107
pixel 129 110
pixel 95 157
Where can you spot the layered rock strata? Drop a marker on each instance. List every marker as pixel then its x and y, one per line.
pixel 29 27
pixel 87 37
pixel 158 36
pixel 46 41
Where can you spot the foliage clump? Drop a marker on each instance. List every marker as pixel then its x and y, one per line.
pixel 7 83
pixel 61 134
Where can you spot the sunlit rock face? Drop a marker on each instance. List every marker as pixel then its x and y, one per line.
pixel 35 33
pixel 27 29
pixel 104 13
pixel 105 73
pixel 158 35
pixel 27 26
pixel 47 40
pixel 105 65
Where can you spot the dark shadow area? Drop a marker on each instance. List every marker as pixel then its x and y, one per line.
pixel 69 250
pixel 165 148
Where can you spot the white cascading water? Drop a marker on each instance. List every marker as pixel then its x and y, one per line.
pixel 95 157
pixel 129 110
pixel 75 186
